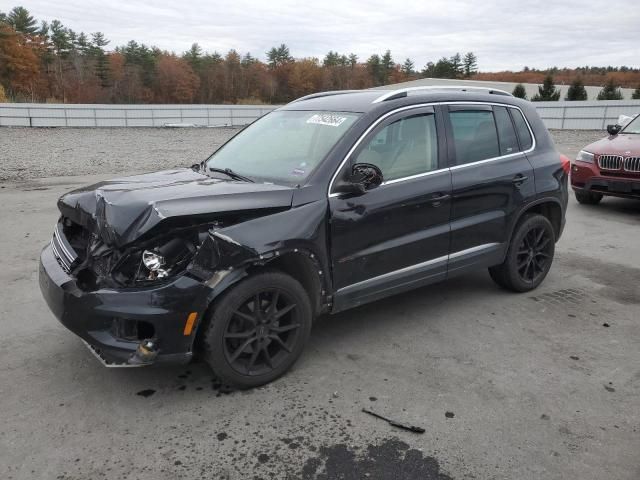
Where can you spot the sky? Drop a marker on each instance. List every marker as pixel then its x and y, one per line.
pixel 505 35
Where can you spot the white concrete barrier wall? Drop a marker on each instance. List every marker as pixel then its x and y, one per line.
pixel 589 115
pixel 67 115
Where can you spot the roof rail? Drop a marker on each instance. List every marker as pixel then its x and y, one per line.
pixel 403 92
pixel 324 94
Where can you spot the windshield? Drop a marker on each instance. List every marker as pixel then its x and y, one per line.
pixel 283 146
pixel 633 126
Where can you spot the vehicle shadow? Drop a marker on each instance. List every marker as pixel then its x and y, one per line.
pixel 615 205
pixel 424 304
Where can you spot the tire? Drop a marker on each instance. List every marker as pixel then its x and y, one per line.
pixel 529 256
pixel 240 343
pixel 588 198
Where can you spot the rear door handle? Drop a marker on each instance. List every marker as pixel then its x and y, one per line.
pixel 519 179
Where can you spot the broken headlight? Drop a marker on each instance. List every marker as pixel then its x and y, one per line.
pixel 154 263
pixel 167 259
pixel 156 260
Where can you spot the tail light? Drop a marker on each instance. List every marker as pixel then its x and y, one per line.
pixel 566 163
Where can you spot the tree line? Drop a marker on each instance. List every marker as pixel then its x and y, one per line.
pixel 42 61
pixel 548 92
pixel 49 62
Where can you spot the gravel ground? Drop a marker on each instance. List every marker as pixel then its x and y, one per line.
pixel 29 153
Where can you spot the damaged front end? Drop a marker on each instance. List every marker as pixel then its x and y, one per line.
pixel 134 277
pixel 139 303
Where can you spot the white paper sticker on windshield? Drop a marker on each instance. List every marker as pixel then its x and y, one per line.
pixel 329 119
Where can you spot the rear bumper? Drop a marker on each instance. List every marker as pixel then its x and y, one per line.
pixel 587 177
pixel 97 317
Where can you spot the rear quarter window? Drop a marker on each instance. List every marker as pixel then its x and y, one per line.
pixel 526 141
pixel 506 132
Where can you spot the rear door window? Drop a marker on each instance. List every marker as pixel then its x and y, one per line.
pixel 506 133
pixel 526 142
pixel 475 136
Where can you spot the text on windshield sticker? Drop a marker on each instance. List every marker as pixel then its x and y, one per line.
pixel 329 119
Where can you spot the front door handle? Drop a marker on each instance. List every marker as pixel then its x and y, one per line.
pixel 519 179
pixel 437 198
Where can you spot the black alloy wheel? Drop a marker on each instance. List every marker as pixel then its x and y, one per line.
pixel 262 332
pixel 257 330
pixel 529 256
pixel 534 254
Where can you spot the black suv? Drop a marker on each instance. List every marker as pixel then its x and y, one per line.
pixel 329 202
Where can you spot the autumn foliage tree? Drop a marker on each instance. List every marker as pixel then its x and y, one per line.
pixel 175 81
pixel 19 63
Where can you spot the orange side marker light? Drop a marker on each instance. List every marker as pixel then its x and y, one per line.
pixel 191 321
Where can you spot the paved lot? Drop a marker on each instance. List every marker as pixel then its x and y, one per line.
pixel 536 386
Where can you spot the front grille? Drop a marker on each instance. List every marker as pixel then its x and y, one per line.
pixel 610 162
pixel 632 164
pixel 64 253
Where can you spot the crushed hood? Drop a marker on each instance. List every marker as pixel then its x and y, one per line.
pixel 123 209
pixel 622 144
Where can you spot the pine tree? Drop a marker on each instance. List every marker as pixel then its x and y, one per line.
pixel 332 59
pixel 547 92
pixel 43 31
pixel 610 91
pixel 373 65
pixel 279 56
pixel 470 64
pixel 445 69
pixel 98 42
pixel 456 66
pixel 519 91
pixel 386 66
pixel 407 67
pixel 576 91
pixel 427 71
pixel 193 56
pixel 248 60
pixel 636 93
pixel 21 21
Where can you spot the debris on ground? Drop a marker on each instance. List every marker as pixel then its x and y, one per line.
pixel 395 423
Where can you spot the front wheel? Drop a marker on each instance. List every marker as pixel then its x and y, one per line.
pixel 257 330
pixel 588 198
pixel 529 256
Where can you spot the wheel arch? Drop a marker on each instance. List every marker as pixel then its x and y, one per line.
pixel 549 207
pixel 300 264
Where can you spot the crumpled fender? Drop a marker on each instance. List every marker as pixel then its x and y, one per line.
pixel 228 253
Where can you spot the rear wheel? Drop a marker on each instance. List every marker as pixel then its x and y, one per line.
pixel 529 256
pixel 588 198
pixel 257 330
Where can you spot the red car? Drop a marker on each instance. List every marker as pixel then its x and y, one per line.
pixel 610 166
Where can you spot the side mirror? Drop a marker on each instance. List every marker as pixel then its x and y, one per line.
pixel 614 129
pixel 363 177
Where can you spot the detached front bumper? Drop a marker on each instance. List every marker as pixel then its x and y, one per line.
pixel 114 322
pixel 587 177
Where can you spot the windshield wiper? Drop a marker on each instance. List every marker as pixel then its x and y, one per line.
pixel 231 174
